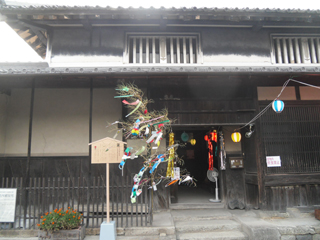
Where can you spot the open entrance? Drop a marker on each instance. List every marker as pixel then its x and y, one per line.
pixel 196 161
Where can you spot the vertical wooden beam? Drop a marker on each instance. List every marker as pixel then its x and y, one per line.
pixel 27 173
pixel 260 162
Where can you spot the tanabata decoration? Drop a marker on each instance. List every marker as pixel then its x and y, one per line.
pixel 210 137
pixel 149 127
pixel 170 172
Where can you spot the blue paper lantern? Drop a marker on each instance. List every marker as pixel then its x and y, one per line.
pixel 278 106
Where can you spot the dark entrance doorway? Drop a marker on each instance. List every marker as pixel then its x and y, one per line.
pixel 195 162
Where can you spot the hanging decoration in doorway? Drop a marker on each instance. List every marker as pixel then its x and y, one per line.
pixel 184 137
pixel 210 137
pixel 170 171
pixel 236 137
pixel 193 142
pixel 148 128
pixel 222 153
pixel 277 106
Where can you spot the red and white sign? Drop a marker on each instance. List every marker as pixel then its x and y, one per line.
pixel 273 161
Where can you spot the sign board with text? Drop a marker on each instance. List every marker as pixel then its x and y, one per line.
pixel 273 161
pixel 8 198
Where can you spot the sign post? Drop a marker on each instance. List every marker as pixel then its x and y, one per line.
pixel 107 150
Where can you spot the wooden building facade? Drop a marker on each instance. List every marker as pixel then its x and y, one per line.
pixel 213 69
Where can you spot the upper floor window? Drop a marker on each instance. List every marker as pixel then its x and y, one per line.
pixel 295 49
pixel 165 48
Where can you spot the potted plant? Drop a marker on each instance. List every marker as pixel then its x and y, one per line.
pixel 61 224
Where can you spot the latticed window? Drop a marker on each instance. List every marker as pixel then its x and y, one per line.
pixel 294 135
pixel 296 49
pixel 163 49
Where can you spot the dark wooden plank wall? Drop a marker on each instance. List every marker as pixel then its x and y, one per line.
pixel 279 198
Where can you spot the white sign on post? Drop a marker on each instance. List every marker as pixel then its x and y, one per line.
pixel 7 204
pixel 176 171
pixel 273 161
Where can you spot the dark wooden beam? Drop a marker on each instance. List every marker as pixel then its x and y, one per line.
pixel 292 179
pixel 251 179
pixel 173 23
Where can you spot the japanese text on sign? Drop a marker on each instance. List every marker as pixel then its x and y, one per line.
pixel 273 161
pixel 7 204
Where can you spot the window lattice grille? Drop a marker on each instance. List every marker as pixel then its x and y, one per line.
pixel 294 135
pixel 296 49
pixel 163 49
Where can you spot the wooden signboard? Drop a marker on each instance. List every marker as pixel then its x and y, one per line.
pixel 107 150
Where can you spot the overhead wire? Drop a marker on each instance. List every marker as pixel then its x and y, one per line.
pixel 270 104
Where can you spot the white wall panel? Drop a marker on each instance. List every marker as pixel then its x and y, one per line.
pixel 61 122
pixel 106 109
pixel 17 127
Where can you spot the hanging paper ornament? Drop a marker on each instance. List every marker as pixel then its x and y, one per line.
pixel 145 111
pixel 184 137
pixel 135 130
pixel 278 106
pixel 170 172
pixel 193 142
pixel 236 137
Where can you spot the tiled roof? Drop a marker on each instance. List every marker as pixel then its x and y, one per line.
pixel 58 8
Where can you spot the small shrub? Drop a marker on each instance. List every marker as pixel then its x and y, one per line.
pixel 60 220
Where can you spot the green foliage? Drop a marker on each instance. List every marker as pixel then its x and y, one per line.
pixel 60 220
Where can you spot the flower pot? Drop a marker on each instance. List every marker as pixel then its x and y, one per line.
pixel 73 234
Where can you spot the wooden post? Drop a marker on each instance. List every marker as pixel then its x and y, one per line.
pixel 107 193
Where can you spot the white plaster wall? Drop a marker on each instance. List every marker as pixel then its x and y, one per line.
pixel 105 110
pixel 270 93
pixel 60 122
pixel 3 121
pixel 17 127
pixel 309 93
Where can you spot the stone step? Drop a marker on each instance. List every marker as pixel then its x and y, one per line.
pixel 207 225
pixel 150 237
pixel 225 235
pixel 149 231
pixel 200 214
pixel 197 206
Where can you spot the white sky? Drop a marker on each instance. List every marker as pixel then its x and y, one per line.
pixel 14 49
pixel 282 4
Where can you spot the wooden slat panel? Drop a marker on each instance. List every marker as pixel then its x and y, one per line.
pixel 190 50
pixel 140 50
pixel 171 50
pixel 278 51
pixel 291 179
pixel 318 49
pixel 312 51
pixel 291 51
pixel 285 51
pixel 178 50
pixel 134 50
pixel 184 50
pixel 153 50
pixel 297 50
pixel 147 50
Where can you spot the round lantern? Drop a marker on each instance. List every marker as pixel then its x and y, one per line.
pixel 277 106
pixel 184 136
pixel 236 137
pixel 193 142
